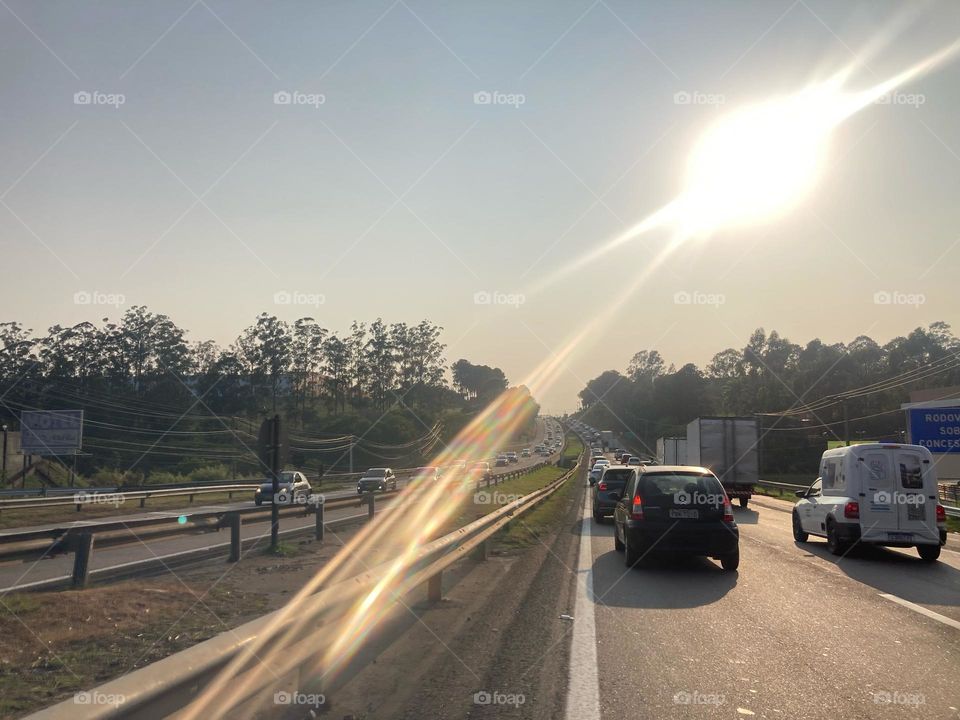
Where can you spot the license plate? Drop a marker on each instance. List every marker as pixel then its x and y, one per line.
pixel 906 537
pixel 685 514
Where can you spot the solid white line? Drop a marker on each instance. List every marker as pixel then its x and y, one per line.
pixel 923 611
pixel 583 686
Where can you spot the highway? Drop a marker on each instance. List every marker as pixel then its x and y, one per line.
pixel 15 574
pixel 796 633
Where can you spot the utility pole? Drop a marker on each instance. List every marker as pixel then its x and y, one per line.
pixel 275 472
pixel 3 472
pixel 846 423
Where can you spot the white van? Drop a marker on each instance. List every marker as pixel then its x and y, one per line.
pixel 874 493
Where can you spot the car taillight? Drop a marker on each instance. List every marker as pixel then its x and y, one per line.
pixel 941 514
pixel 727 509
pixel 851 511
pixel 602 486
pixel 637 511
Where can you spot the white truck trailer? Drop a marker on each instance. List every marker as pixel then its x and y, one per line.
pixel 730 447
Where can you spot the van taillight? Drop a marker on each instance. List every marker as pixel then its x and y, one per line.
pixel 941 514
pixel 851 511
pixel 637 512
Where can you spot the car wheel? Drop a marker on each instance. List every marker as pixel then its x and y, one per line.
pixel 617 545
pixel 798 533
pixel 928 553
pixel 598 518
pixel 630 556
pixel 834 544
pixel 258 501
pixel 731 561
pixel 744 501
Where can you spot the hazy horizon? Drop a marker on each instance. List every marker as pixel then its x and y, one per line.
pixel 437 162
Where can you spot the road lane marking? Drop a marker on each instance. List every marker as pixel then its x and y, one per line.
pixel 583 686
pixel 923 611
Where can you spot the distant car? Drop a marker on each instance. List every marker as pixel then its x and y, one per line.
pixel 525 452
pixel 609 486
pixel 676 509
pixel 594 475
pixel 377 480
pixel 293 488
pixel 501 460
pixel 633 461
pixel 428 474
pixel 512 457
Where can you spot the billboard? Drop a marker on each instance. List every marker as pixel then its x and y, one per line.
pixel 51 432
pixel 937 429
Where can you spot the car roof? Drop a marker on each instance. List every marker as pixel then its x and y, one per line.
pixel 675 468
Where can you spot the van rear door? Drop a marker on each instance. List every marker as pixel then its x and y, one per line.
pixel 878 510
pixel 917 495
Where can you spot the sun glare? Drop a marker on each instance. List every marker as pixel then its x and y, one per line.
pixel 756 162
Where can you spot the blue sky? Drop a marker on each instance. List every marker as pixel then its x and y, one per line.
pixel 399 195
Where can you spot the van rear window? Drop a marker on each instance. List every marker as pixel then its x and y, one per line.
pixel 911 472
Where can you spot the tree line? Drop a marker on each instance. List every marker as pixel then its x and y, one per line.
pixel 770 375
pixel 141 374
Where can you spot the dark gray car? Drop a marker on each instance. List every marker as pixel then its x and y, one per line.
pixel 608 489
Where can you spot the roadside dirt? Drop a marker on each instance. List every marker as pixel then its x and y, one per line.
pixel 494 647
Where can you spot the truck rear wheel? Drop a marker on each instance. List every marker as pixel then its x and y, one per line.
pixel 744 501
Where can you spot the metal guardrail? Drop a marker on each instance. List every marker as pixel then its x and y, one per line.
pixel 950 510
pixel 168 686
pixel 80 538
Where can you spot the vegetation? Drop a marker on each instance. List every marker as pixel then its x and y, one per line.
pixel 158 405
pixel 799 392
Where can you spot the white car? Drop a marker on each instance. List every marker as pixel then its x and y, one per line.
pixel 633 461
pixel 876 493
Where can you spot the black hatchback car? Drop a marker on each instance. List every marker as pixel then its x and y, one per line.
pixel 608 489
pixel 676 509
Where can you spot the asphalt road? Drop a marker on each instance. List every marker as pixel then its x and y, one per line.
pixel 795 633
pixel 18 573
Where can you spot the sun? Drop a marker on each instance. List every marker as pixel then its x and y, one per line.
pixel 756 162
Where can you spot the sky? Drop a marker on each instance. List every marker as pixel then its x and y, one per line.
pixel 410 159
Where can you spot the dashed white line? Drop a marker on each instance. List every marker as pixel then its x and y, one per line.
pixel 583 687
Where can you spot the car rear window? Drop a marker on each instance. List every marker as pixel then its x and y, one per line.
pixel 681 489
pixel 616 479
